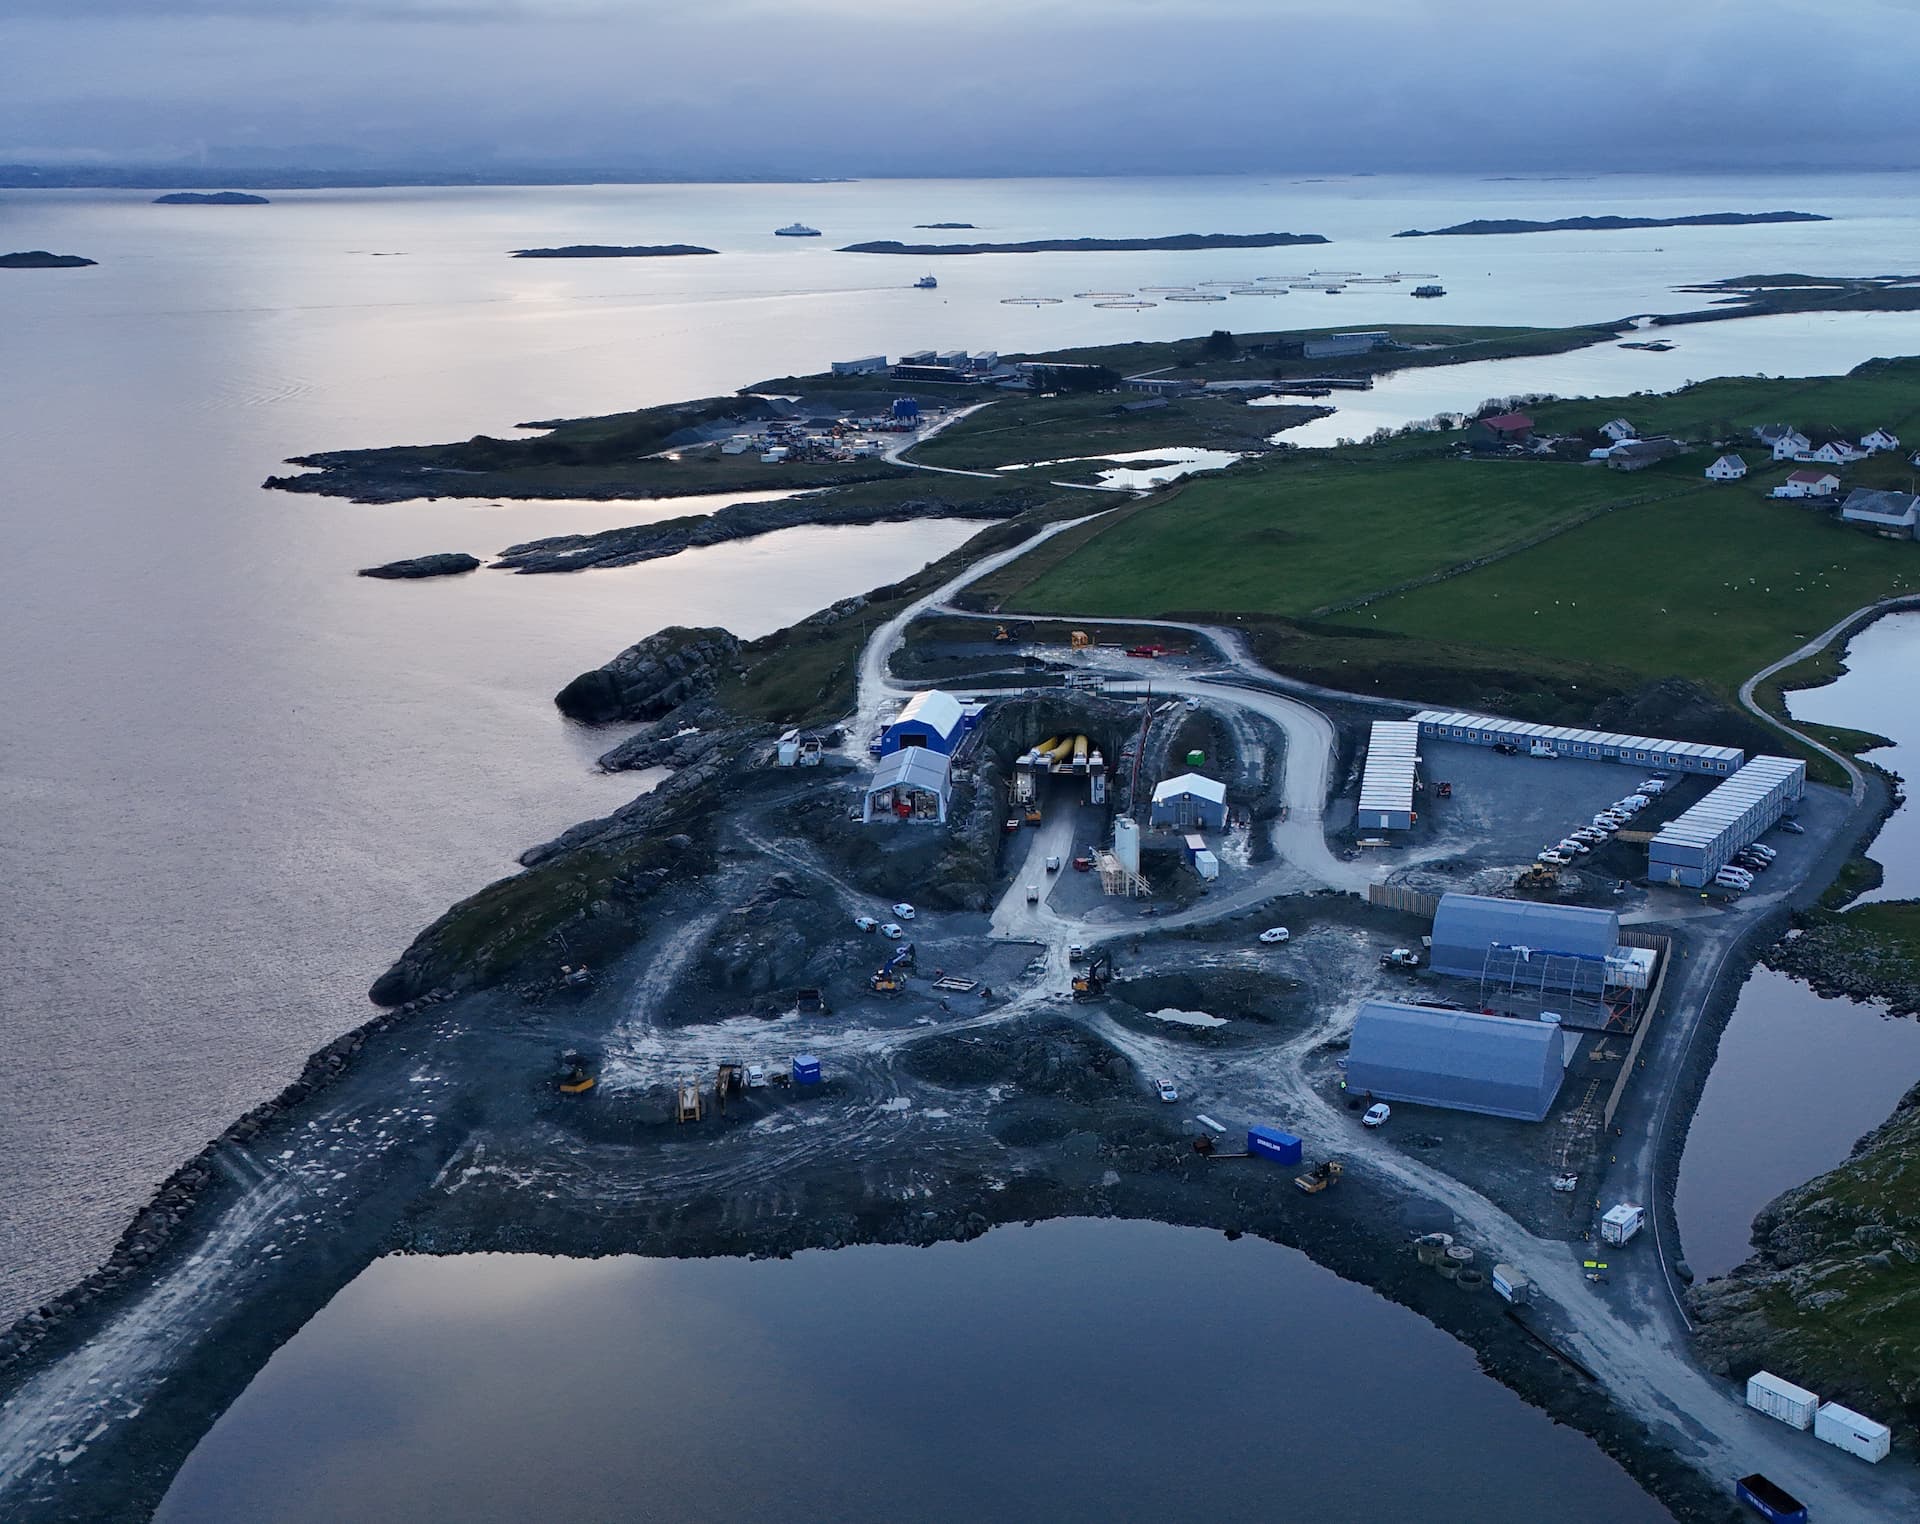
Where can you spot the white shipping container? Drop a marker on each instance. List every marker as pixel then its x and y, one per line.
pixel 1795 1405
pixel 1510 1284
pixel 1206 865
pixel 1621 1222
pixel 1852 1432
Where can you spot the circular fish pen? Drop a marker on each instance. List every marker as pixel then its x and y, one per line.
pixel 1102 296
pixel 1131 306
pixel 1258 291
pixel 1194 296
pixel 1324 274
pixel 1029 301
pixel 1165 289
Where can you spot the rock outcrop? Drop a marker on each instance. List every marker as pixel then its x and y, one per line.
pixel 40 259
pixel 651 676
pixel 1828 1298
pixel 210 198
pixel 614 251
pixel 448 563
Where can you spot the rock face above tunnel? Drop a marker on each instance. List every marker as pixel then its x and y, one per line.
pixel 651 676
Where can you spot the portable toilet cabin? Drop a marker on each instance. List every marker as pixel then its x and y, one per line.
pixel 1272 1143
pixel 806 1069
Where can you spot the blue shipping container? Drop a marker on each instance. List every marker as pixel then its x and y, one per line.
pixel 806 1069
pixel 1271 1143
pixel 1770 1500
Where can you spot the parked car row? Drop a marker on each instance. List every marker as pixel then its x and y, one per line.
pixel 1738 874
pixel 1577 844
pixel 889 929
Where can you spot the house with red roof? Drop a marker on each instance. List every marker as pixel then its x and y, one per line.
pixel 1507 428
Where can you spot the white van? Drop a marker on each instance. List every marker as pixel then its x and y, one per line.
pixel 1541 749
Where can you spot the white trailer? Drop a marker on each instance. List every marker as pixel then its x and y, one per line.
pixel 1853 1432
pixel 1620 1223
pixel 1792 1405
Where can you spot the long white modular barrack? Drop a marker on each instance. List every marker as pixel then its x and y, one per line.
pixel 1700 841
pixel 1593 745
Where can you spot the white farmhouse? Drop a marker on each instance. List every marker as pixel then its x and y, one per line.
pixel 1808 483
pixel 1783 439
pixel 1728 468
pixel 1618 430
pixel 1878 440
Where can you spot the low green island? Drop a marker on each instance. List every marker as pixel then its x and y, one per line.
pixel 1485 226
pixel 40 259
pixel 614 251
pixel 1177 242
pixel 210 198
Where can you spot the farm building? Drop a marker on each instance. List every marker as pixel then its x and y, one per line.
pixel 1386 787
pixel 1508 428
pixel 931 719
pixel 1810 481
pixel 913 783
pixel 1592 745
pixel 1329 345
pixel 1189 802
pixel 1896 512
pixel 1699 842
pixel 1638 454
pixel 1468 928
pixel 1728 468
pixel 1499 1066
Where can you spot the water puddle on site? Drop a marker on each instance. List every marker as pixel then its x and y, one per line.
pixel 1074 1369
pixel 1798 1079
pixel 1155 468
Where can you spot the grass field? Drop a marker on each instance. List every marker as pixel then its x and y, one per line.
pixel 1019 429
pixel 1562 572
pixel 1313 531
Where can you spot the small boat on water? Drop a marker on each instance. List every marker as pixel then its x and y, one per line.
pixel 1429 290
pixel 926 283
pixel 796 230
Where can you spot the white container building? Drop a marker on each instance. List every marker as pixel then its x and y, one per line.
pixel 1592 745
pixel 1792 1405
pixel 1853 1432
pixel 1699 842
pixel 1386 787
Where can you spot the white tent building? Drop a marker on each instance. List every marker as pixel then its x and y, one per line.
pixel 913 783
pixel 1190 802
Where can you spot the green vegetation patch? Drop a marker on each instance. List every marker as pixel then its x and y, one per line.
pixel 1022 430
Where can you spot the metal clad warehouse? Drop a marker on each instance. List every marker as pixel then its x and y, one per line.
pixel 1467 926
pixel 1499 1066
pixel 1700 841
pixel 1386 788
pixel 1592 745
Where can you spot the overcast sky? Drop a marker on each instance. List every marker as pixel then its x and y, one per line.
pixel 858 87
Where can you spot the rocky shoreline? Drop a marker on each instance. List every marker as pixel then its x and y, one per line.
pixel 614 251
pixel 446 563
pixel 1486 226
pixel 635 543
pixel 1179 242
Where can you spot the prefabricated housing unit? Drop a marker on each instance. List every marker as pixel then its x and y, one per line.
pixel 1792 1405
pixel 1591 745
pixel 1853 1432
pixel 1386 787
pixel 1468 927
pixel 1700 841
pixel 1498 1066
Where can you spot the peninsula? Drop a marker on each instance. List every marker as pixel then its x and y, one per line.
pixel 1485 226
pixel 1177 242
pixel 210 198
pixel 1020 1080
pixel 614 251
pixel 40 259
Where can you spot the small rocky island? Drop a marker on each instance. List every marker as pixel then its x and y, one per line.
pixel 1178 241
pixel 1485 226
pixel 210 198
pixel 40 259
pixel 948 225
pixel 447 563
pixel 614 251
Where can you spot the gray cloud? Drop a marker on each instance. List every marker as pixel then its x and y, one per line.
pixel 996 86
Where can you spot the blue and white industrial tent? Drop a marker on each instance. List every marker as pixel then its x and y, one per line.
pixel 1190 802
pixel 930 719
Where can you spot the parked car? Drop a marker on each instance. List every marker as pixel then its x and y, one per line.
pixel 1654 785
pixel 1733 875
pixel 1725 880
pixel 865 923
pixel 1793 828
pixel 1541 749
pixel 1574 844
pixel 1275 934
pixel 1166 1090
pixel 904 911
pixel 1377 1114
pixel 1637 802
pixel 1554 859
pixel 892 929
pixel 1589 835
pixel 1764 850
pixel 1506 748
